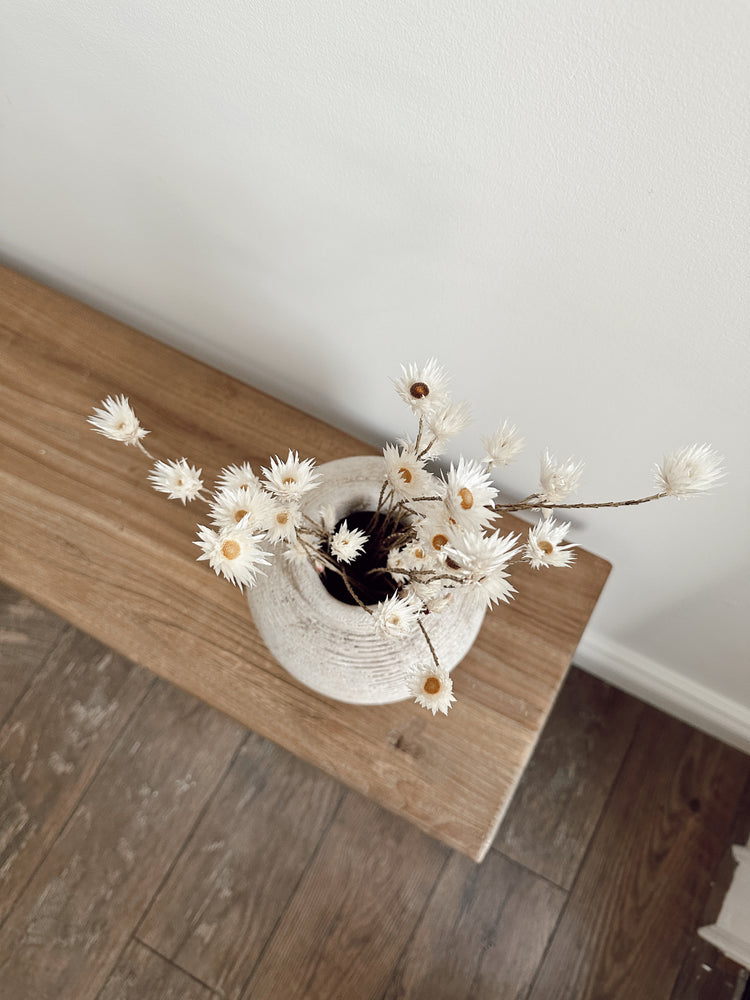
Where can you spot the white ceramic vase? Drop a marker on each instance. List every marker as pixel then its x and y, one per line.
pixel 332 647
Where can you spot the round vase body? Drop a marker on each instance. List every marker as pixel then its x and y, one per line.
pixel 333 648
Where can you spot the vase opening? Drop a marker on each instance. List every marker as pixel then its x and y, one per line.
pixel 365 574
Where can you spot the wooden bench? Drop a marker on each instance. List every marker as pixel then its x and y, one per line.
pixel 82 533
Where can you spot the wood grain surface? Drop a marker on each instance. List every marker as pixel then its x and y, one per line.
pixel 27 634
pixel 141 973
pixel 242 866
pixel 347 944
pixel 76 913
pixel 563 790
pixel 53 743
pixel 105 552
pixel 642 888
pixel 482 936
pixel 178 856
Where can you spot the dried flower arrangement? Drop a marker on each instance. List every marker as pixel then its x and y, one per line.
pixel 429 534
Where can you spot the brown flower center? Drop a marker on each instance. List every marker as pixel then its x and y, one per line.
pixel 419 553
pixel 405 475
pixel 239 514
pixel 546 546
pixel 438 541
pixel 419 390
pixel 282 517
pixel 230 549
pixel 467 498
pixel 431 685
pixel 288 480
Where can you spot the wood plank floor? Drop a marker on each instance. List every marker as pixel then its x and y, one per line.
pixel 152 849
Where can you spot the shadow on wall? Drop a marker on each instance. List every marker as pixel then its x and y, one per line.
pixel 211 277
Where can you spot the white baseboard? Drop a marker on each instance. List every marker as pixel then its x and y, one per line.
pixel 666 689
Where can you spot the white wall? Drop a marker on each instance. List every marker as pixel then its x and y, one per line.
pixel 553 198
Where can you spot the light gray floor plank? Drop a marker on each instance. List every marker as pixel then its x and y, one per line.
pixel 52 744
pixel 28 633
pixel 242 865
pixel 71 923
pixel 141 974
pixel 482 935
pixel 356 906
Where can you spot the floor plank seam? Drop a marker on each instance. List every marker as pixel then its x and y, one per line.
pixel 188 838
pixel 607 800
pixel 475 981
pixel 530 871
pixel 540 965
pixel 84 791
pixel 584 856
pixel 175 965
pixel 419 921
pixel 324 833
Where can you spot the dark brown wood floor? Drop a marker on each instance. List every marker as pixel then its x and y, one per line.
pixel 152 849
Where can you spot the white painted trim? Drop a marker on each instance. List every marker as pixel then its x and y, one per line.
pixel 732 946
pixel 666 689
pixel 731 932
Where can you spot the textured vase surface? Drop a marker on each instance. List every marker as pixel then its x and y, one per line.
pixel 332 647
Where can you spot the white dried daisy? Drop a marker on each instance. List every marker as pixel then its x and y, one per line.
pixel 558 479
pixel 179 480
pixel 482 560
pixel 234 477
pixel 414 556
pixel 426 590
pixel 116 419
pixel 440 603
pixel 442 425
pixel 406 474
pixel 298 551
pixel 398 616
pixel 347 543
pixel 432 688
pixel 283 522
pixel 423 387
pixel 249 505
pixel 545 545
pixel 236 554
pixel 328 517
pixel 469 494
pixel 689 471
pixel 435 530
pixel 502 447
pixel 291 479
pixel 397 565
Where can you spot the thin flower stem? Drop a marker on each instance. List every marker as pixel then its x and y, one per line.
pixel 145 451
pixel 429 576
pixel 314 555
pixel 536 505
pixel 429 447
pixel 419 434
pixel 319 531
pixel 399 538
pixel 388 514
pixel 374 518
pixel 429 642
pixel 349 587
